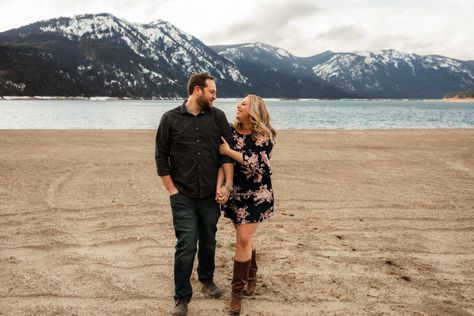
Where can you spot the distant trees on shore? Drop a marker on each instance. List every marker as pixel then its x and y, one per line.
pixel 460 95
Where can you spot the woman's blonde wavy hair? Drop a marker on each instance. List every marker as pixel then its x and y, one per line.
pixel 259 119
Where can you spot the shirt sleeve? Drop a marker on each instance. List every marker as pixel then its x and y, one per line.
pixel 257 157
pixel 162 147
pixel 225 132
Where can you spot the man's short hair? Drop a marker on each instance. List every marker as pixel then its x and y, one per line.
pixel 198 80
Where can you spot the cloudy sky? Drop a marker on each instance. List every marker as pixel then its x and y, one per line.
pixel 302 27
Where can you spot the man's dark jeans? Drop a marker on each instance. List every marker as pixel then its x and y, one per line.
pixel 193 220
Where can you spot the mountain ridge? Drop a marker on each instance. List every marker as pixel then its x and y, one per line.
pixel 108 56
pixel 100 54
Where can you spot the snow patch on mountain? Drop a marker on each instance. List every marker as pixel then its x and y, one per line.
pixel 377 71
pixel 94 26
pixel 158 40
pixel 354 65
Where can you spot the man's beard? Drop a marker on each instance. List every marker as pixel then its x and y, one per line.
pixel 203 104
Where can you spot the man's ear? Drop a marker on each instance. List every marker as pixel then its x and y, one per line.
pixel 197 90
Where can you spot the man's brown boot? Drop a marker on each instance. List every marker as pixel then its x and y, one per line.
pixel 239 280
pixel 252 280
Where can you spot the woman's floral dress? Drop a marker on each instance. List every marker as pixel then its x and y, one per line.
pixel 252 198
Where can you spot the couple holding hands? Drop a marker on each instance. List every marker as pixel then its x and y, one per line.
pixel 207 164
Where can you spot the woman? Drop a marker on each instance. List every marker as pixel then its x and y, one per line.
pixel 251 200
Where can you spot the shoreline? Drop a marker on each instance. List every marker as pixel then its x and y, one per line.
pixel 468 100
pixel 94 98
pixel 106 98
pixel 328 130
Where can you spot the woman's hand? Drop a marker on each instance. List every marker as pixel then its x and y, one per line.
pixel 224 148
pixel 222 195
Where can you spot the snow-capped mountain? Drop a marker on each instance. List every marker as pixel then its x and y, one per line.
pixel 102 54
pixel 379 74
pixel 275 72
pixel 394 74
pixel 259 53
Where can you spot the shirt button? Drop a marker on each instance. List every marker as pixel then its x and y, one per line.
pixel 199 153
pixel 197 128
pixel 197 141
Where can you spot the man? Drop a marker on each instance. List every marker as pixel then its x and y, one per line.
pixel 187 159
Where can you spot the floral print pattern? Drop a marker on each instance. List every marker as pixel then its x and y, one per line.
pixel 252 198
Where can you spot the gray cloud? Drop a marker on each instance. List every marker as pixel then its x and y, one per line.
pixel 343 33
pixel 269 23
pixel 127 9
pixel 107 5
pixel 417 45
pixel 19 13
pixel 303 27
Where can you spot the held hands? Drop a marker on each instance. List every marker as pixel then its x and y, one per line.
pixel 224 148
pixel 222 195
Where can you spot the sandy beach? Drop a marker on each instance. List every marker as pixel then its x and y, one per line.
pixel 467 100
pixel 377 222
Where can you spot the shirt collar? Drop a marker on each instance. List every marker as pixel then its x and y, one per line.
pixel 184 109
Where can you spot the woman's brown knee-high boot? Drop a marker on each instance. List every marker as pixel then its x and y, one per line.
pixel 252 280
pixel 239 280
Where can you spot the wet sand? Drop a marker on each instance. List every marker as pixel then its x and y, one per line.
pixel 367 223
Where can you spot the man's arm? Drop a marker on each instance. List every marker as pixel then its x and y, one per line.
pixel 236 155
pixel 226 133
pixel 220 178
pixel 223 192
pixel 162 153
pixel 227 162
pixel 229 174
pixel 219 184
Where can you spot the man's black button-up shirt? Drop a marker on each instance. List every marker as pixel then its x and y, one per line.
pixel 187 148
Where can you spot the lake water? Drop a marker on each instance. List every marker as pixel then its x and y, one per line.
pixel 286 114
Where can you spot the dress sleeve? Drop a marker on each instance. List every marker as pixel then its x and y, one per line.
pixel 257 157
